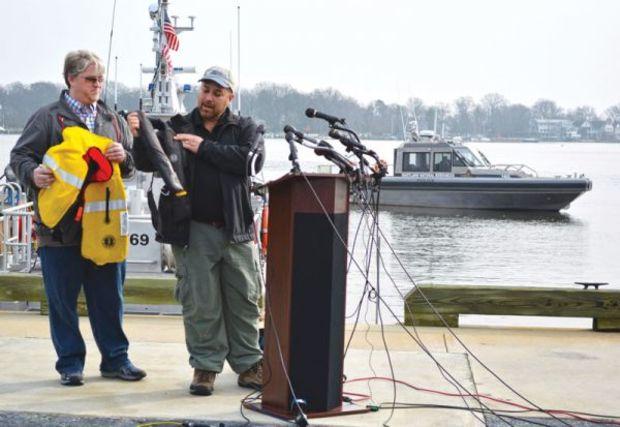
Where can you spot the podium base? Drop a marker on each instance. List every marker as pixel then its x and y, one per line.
pixel 344 409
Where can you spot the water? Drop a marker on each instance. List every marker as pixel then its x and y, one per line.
pixel 488 248
pixel 496 248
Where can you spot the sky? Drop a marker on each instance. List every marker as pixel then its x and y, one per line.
pixel 563 50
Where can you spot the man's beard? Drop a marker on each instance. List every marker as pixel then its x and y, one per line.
pixel 209 113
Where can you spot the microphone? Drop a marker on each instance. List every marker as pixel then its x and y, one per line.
pixel 290 138
pixel 311 113
pixel 326 150
pixel 322 145
pixel 291 129
pixel 346 139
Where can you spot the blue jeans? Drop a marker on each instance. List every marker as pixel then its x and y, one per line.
pixel 64 274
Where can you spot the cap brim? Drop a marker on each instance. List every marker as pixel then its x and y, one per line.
pixel 218 81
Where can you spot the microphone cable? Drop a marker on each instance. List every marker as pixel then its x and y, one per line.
pixel 374 290
pixel 450 330
pixel 373 206
pixel 343 242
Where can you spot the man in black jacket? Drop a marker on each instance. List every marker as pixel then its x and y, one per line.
pixel 218 274
pixel 65 271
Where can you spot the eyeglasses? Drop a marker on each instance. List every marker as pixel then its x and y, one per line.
pixel 94 79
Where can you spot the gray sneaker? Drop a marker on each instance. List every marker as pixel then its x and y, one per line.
pixel 127 372
pixel 71 378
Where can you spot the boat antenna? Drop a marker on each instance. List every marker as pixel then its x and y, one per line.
pixel 230 50
pixel 238 59
pixel 107 67
pixel 402 122
pixel 413 131
pixel 116 83
pixel 140 90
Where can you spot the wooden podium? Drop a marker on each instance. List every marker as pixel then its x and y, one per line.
pixel 306 289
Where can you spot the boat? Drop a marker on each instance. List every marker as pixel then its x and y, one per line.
pixel 430 172
pixel 164 99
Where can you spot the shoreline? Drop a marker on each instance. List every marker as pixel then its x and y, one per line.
pixel 13 133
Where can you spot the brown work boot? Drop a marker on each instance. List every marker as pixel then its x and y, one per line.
pixel 253 377
pixel 202 384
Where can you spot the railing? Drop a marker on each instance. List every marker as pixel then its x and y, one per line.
pixel 17 238
pixel 16 229
pixel 519 169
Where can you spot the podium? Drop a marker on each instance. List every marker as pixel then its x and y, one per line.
pixel 306 290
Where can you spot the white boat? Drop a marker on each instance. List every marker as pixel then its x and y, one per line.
pixel 442 174
pixel 163 100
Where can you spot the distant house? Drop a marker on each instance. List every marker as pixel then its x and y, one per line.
pixel 616 131
pixel 609 130
pixel 593 130
pixel 555 129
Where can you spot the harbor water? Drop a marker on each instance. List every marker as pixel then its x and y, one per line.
pixel 447 246
pixel 581 243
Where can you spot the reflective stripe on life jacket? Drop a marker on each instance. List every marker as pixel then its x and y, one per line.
pixel 118 204
pixel 105 221
pixel 66 176
pixel 83 174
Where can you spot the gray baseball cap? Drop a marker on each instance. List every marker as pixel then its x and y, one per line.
pixel 219 75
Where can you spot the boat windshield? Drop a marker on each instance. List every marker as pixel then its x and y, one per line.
pixel 465 157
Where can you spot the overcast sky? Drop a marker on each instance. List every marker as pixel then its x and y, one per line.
pixel 564 50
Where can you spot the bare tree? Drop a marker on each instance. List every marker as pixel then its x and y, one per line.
pixel 546 109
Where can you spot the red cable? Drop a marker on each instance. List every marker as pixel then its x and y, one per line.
pixel 483 396
pixel 360 396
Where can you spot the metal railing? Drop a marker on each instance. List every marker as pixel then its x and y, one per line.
pixel 16 229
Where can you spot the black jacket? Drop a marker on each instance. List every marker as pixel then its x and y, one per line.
pixel 43 130
pixel 228 153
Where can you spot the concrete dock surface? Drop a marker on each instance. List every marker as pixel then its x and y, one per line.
pixel 576 370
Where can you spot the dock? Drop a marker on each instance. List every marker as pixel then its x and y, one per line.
pixel 557 369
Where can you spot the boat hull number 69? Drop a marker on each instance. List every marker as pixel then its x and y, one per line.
pixel 136 239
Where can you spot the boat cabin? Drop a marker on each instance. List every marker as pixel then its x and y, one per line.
pixel 445 158
pixel 434 158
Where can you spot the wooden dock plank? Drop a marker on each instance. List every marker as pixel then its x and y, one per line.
pixel 20 287
pixel 144 290
pixel 603 305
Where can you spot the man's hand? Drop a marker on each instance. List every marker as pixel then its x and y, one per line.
pixel 190 142
pixel 115 152
pixel 134 124
pixel 43 176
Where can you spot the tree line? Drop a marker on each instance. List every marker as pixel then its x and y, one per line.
pixel 276 105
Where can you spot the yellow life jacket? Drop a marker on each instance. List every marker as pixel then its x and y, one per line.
pixel 104 212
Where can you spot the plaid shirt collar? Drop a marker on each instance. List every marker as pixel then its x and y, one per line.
pixel 86 113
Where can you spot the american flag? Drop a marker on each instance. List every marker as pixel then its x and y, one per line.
pixel 170 41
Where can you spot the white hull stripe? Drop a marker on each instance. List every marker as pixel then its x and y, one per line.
pixel 67 177
pixel 113 205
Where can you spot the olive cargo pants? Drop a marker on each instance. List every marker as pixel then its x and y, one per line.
pixel 218 286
